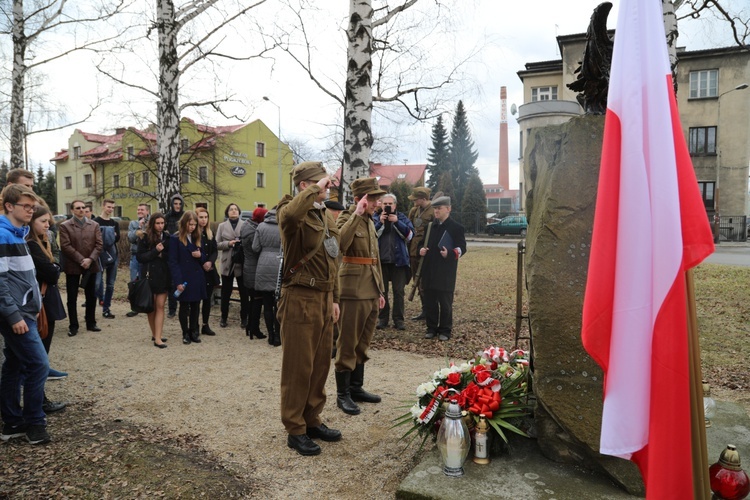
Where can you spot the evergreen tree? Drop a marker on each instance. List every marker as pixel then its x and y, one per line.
pixel 445 186
pixel 462 153
pixel 474 205
pixel 402 190
pixel 3 173
pixel 438 158
pixel 49 192
pixel 39 181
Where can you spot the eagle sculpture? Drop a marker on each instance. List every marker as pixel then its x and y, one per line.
pixel 592 82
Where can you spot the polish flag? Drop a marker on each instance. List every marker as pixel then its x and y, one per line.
pixel 650 226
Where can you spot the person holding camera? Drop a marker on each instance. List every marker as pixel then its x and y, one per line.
pixel 394 231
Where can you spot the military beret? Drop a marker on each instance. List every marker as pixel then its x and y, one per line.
pixel 366 185
pixel 334 205
pixel 308 171
pixel 420 193
pixel 441 201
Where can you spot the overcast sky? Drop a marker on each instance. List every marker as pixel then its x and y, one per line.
pixel 512 34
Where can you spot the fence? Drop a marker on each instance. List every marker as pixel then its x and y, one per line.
pixel 732 228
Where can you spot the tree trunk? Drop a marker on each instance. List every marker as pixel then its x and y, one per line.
pixel 670 28
pixel 168 112
pixel 17 128
pixel 358 107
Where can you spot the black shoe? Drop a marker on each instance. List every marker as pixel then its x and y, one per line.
pixel 93 328
pixel 223 323
pixel 206 330
pixel 430 335
pixel 52 406
pixel 303 444
pixel 171 314
pixel 400 325
pixel 108 315
pixel 243 324
pixel 381 325
pixel 443 337
pixel 185 338
pixel 195 337
pixel 163 339
pixel 72 332
pixel 259 334
pixel 37 434
pixel 343 398
pixel 277 340
pixel 131 314
pixel 356 391
pixel 160 346
pixel 324 433
pixel 419 317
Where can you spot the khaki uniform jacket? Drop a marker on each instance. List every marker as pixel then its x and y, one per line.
pixel 78 243
pixel 420 218
pixel 358 239
pixel 302 229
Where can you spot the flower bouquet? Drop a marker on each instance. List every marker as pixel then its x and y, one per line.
pixel 494 384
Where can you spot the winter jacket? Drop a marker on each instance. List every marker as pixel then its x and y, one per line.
pixel 80 242
pixel 134 234
pixel 403 234
pixel 251 257
pixel 171 218
pixel 19 292
pixel 267 243
pixel 225 234
pixel 154 263
pixel 185 268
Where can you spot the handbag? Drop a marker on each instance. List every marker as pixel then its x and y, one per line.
pixel 41 320
pixel 140 297
pixel 238 255
pixel 212 277
pixel 53 304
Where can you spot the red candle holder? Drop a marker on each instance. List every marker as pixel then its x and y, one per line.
pixel 728 480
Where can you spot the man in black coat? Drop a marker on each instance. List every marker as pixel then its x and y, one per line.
pixel 445 245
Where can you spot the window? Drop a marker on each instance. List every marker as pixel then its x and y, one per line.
pixel 544 94
pixel 185 145
pixel 202 174
pixel 704 83
pixel 67 208
pixel 146 179
pixel 702 141
pixel 118 211
pixel 68 182
pixel 707 193
pixel 131 180
pixel 201 204
pixel 87 180
pixel 260 180
pixel 116 181
pixel 76 152
pixel 185 176
pixel 260 149
pixel 131 153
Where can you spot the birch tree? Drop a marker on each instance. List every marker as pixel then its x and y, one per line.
pixel 190 38
pixel 389 68
pixel 29 24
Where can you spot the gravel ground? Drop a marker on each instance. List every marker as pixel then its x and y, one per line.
pixel 225 391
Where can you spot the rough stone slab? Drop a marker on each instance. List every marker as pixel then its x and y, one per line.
pixel 525 474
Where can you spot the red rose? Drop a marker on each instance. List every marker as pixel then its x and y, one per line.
pixel 483 376
pixel 470 393
pixel 453 379
pixel 478 368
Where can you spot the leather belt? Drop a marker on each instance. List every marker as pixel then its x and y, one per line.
pixel 365 261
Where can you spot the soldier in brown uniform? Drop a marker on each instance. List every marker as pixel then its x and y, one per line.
pixel 361 294
pixel 308 306
pixel 420 216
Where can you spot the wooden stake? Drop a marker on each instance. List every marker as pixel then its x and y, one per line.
pixel 701 484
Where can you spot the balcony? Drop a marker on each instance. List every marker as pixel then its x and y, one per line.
pixel 540 109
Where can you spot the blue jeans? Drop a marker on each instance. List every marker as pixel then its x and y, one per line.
pixel 24 354
pixel 105 294
pixel 135 267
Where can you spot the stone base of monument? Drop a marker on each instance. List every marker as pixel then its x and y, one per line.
pixel 525 474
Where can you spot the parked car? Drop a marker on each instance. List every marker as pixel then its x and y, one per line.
pixel 513 224
pixel 60 218
pixel 118 219
pixel 246 214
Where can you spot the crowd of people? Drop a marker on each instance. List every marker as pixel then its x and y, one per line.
pixel 308 267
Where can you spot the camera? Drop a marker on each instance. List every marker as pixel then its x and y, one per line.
pixel 388 209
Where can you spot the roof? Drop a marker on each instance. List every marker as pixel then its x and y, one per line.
pixel 387 174
pixel 60 155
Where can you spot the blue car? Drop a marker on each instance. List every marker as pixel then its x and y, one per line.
pixel 513 224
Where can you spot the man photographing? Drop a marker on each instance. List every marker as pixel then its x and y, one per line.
pixel 394 231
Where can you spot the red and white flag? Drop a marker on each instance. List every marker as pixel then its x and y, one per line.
pixel 650 226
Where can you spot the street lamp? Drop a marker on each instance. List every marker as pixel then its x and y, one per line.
pixel 278 142
pixel 741 86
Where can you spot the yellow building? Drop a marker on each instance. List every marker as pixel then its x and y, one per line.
pixel 244 164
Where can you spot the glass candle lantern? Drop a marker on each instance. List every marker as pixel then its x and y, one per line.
pixel 453 441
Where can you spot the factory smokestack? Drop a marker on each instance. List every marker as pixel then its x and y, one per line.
pixel 503 167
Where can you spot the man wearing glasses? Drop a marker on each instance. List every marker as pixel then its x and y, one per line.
pixel 81 244
pixel 20 302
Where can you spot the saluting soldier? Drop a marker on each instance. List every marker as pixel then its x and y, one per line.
pixel 361 294
pixel 420 216
pixel 308 307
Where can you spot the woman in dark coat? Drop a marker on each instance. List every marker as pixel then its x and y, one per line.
pixel 248 273
pixel 211 251
pixel 153 249
pixel 186 260
pixel 267 244
pixel 47 272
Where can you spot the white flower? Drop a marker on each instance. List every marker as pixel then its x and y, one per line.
pixel 416 411
pixel 465 367
pixel 443 374
pixel 426 388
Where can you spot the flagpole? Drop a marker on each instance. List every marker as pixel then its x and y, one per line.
pixel 701 484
